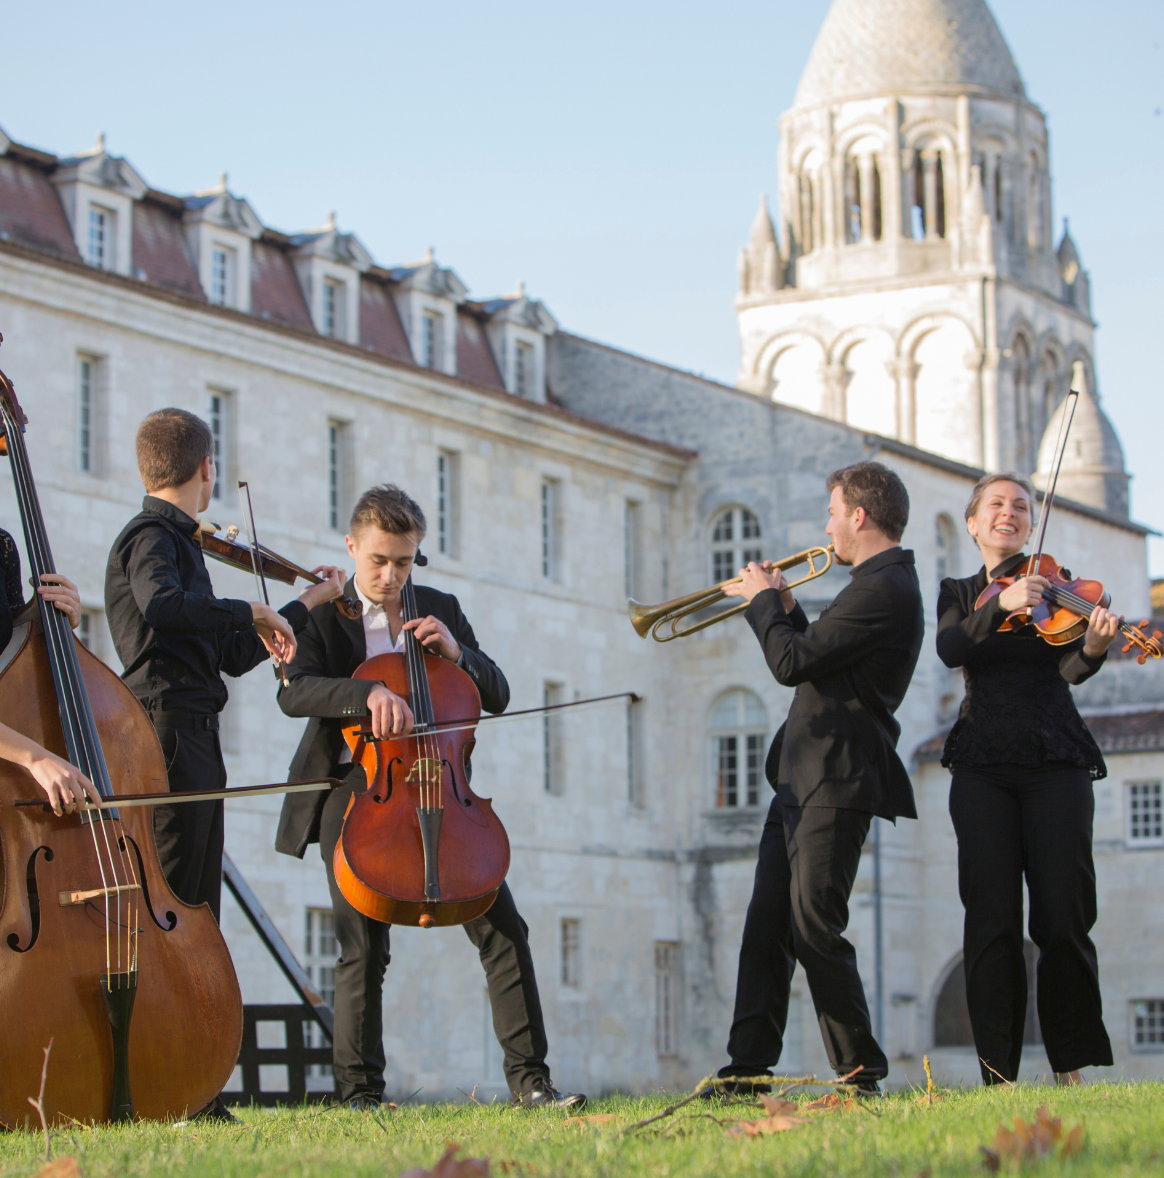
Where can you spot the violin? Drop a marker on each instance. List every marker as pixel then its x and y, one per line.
pixel 419 847
pixel 228 549
pixel 1063 614
pixel 135 989
pixel 1068 602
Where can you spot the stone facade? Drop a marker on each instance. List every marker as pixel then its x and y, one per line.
pixel 561 476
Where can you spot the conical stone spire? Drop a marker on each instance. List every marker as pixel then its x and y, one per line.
pixel 760 268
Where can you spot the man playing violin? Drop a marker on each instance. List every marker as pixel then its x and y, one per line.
pixel 1022 764
pixel 833 766
pixel 387 527
pixel 176 639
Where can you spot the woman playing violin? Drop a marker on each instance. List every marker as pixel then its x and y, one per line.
pixel 63 783
pixel 1022 764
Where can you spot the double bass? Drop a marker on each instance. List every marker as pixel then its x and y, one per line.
pixel 419 847
pixel 135 989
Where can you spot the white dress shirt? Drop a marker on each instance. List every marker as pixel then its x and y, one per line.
pixel 377 638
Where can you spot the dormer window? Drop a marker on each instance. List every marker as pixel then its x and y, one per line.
pixel 735 542
pixel 100 242
pixel 222 272
pixel 430 340
pixel 333 309
pixel 523 369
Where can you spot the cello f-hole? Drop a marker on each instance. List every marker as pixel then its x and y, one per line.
pixel 388 780
pixel 171 917
pixel 33 893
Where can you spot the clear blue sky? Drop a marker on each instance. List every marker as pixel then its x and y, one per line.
pixel 608 154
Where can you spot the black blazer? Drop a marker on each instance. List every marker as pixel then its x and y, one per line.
pixel 321 687
pixel 851 669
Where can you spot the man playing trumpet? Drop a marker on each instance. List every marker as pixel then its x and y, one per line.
pixel 833 766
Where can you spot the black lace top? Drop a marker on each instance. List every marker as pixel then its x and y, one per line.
pixel 1018 708
pixel 11 598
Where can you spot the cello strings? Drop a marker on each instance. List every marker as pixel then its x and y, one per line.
pixel 76 717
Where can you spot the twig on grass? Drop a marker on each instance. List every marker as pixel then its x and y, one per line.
pixel 38 1104
pixel 471 1095
pixel 1008 1083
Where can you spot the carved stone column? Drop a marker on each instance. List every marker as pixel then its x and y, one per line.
pixel 836 382
pixel 904 372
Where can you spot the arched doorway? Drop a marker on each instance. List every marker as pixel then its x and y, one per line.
pixel 952 1016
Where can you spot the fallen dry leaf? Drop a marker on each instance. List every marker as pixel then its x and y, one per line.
pixel 65 1167
pixel 830 1103
pixel 592 1119
pixel 782 1116
pixel 449 1166
pixel 926 1172
pixel 1032 1141
pixel 990 1159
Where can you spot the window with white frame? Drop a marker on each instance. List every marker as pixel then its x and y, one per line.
pixel 632 543
pixel 338 474
pixel 667 998
pixel 1147 1024
pixel 430 339
pixel 222 272
pixel 1145 814
pixel 553 781
pixel 88 410
pixel 449 503
pixel 88 631
pixel 944 542
pixel 551 493
pixel 571 952
pixel 319 957
pixel 523 369
pixel 735 540
pixel 100 241
pixel 218 414
pixel 739 728
pixel 332 311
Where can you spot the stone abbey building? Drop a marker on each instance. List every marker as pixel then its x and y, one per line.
pixel 910 302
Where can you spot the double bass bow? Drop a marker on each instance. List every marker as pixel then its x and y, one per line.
pixel 419 847
pixel 135 988
pixel 1067 602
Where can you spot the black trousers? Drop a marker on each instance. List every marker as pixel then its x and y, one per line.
pixel 189 836
pixel 1013 822
pixel 501 938
pixel 798 912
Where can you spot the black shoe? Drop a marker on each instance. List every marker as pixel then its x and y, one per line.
pixel 866 1087
pixel 732 1088
pixel 545 1096
pixel 362 1102
pixel 218 1112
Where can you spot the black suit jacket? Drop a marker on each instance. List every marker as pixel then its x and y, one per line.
pixel 851 669
pixel 321 688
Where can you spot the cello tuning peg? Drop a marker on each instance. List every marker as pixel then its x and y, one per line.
pixel 1125 649
pixel 1143 623
pixel 1157 634
pixel 1142 659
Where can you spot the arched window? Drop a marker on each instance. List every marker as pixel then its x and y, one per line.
pixel 952 1016
pixel 739 730
pixel 862 198
pixel 735 540
pixel 928 213
pixel 807 214
pixel 945 553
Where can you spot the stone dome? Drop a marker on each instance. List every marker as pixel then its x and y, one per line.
pixel 868 47
pixel 1093 464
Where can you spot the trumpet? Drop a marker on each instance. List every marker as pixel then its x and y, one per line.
pixel 647 619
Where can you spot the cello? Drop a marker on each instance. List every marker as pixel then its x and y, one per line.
pixel 135 988
pixel 419 847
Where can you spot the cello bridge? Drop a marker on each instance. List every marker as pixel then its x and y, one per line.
pixel 424 771
pixel 69 898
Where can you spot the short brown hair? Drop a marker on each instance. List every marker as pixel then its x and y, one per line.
pixel 878 490
pixel 988 480
pixel 391 510
pixel 171 445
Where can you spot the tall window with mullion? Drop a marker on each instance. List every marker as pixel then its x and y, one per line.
pixel 632 541
pixel 553 777
pixel 319 959
pixel 735 540
pixel 739 731
pixel 222 270
pixel 551 530
pixel 449 503
pixel 339 471
pixel 218 413
pixel 90 372
pixel 99 250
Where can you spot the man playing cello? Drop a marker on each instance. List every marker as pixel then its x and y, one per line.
pixel 387 527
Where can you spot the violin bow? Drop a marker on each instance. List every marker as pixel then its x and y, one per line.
pixel 248 513
pixel 1077 386
pixel 168 797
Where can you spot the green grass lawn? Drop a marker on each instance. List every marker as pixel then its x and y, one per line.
pixel 1123 1134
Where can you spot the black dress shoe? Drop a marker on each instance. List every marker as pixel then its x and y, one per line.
pixel 545 1096
pixel 731 1087
pixel 867 1087
pixel 362 1102
pixel 217 1112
